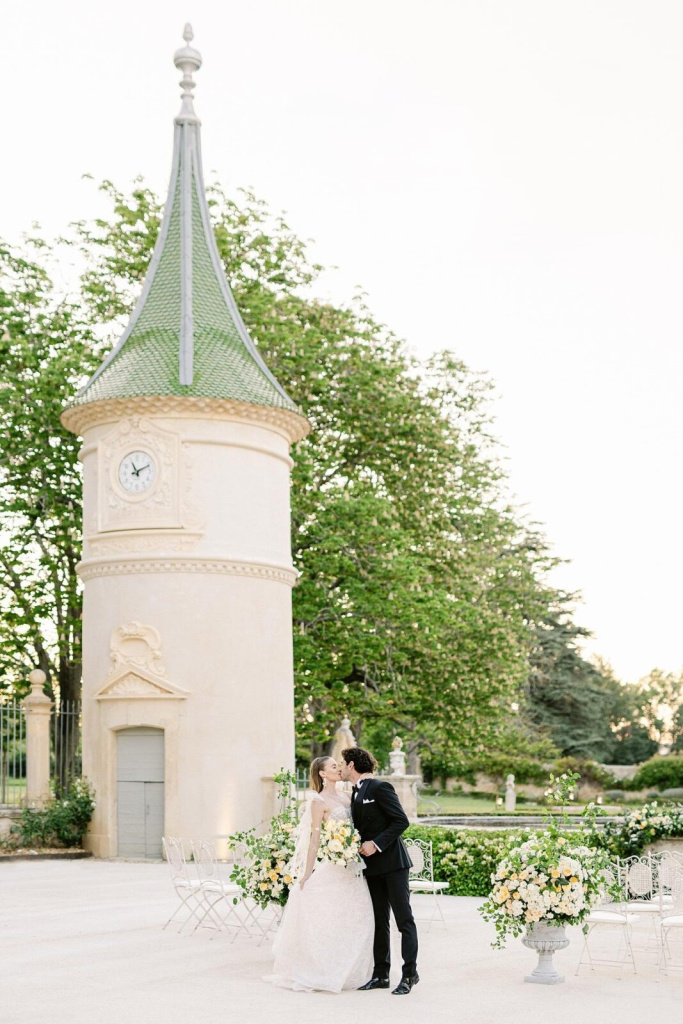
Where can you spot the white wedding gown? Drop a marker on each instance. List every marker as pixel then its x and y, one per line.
pixel 324 942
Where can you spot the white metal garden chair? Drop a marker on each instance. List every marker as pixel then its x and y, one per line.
pixel 188 890
pixel 223 901
pixel 612 915
pixel 259 920
pixel 422 875
pixel 671 920
pixel 642 889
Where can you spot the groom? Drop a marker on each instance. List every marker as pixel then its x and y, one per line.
pixel 380 819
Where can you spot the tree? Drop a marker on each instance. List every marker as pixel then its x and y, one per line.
pixel 579 704
pixel 45 348
pixel 420 585
pixel 661 707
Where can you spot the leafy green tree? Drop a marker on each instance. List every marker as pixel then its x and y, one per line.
pixel 577 703
pixel 45 348
pixel 661 707
pixel 421 587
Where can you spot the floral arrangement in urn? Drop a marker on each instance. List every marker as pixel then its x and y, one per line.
pixel 547 878
pixel 339 843
pixel 548 881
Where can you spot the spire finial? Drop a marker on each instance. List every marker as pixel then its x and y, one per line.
pixel 188 60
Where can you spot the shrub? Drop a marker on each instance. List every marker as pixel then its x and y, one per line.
pixel 673 794
pixel 659 772
pixel 639 828
pixel 494 764
pixel 466 859
pixel 590 771
pixel 614 796
pixel 61 823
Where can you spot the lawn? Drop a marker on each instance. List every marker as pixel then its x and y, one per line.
pixel 463 803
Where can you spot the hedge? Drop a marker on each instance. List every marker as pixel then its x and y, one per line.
pixel 466 858
pixel 660 772
pixel 61 823
pixel 525 769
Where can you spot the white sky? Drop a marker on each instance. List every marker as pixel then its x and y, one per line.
pixel 503 178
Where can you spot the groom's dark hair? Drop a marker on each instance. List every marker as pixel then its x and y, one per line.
pixel 363 761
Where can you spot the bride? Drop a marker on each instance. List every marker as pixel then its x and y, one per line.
pixel 324 893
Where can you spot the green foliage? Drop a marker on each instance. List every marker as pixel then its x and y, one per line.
pixel 658 772
pixel 576 702
pixel 466 858
pixel 419 581
pixel 526 769
pixel 46 347
pixel 63 822
pixel 587 771
pixel 639 828
pixel 261 868
pixel 494 764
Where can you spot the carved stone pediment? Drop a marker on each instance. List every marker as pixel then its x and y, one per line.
pixel 132 683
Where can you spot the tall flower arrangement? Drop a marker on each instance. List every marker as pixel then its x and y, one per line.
pixel 552 877
pixel 262 870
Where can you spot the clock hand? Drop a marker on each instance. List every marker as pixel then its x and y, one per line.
pixel 136 471
pixel 143 467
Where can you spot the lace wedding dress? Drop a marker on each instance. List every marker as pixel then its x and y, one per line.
pixel 324 942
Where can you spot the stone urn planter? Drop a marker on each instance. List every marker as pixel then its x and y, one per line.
pixel 545 937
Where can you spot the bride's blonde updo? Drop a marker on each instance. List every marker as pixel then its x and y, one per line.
pixel 317 766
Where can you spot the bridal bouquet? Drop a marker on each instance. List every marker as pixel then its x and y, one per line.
pixel 339 843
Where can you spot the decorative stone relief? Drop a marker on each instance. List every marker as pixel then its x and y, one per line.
pixel 142 542
pixel 139 645
pixel 137 671
pixel 80 418
pixel 137 684
pixel 92 568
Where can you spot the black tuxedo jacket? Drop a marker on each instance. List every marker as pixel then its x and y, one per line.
pixel 379 817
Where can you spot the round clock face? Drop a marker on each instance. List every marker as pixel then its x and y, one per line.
pixel 137 472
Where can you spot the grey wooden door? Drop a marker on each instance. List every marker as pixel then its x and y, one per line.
pixel 140 792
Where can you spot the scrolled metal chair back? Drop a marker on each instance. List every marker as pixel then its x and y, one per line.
pixel 205 858
pixel 668 870
pixel 175 855
pixel 420 853
pixel 639 877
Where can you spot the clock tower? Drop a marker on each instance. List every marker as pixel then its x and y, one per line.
pixel 187 568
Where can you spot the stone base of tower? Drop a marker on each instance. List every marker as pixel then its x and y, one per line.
pixel 188 706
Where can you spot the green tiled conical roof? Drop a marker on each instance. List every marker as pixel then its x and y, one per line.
pixel 186 336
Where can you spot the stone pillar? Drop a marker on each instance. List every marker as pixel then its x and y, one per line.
pixel 397 759
pixel 406 791
pixel 37 707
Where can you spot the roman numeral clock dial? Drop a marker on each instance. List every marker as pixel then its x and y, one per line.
pixel 137 472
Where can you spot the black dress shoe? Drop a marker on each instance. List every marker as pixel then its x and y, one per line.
pixel 374 983
pixel 405 985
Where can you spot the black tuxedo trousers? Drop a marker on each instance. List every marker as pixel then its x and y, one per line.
pixel 391 892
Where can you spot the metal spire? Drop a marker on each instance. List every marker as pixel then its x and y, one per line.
pixel 187 60
pixel 186 304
